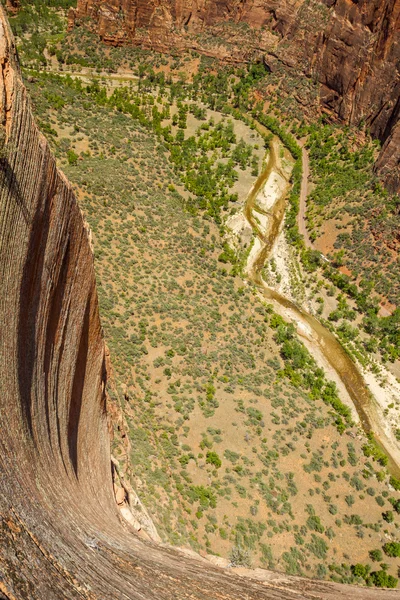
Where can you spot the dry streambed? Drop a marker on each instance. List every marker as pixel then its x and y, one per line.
pixel 261 220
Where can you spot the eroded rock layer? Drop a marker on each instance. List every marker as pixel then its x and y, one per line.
pixel 352 47
pixel 61 535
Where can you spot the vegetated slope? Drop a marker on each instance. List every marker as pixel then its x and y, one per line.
pixel 60 533
pixel 350 47
pixel 217 434
pixel 342 178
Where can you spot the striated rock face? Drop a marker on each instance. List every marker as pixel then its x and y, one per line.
pixel 352 47
pixel 358 65
pixel 61 535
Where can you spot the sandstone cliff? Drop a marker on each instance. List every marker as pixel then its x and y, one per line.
pixel 61 535
pixel 352 47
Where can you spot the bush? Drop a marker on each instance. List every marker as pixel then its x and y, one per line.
pixel 318 546
pixel 240 557
pixel 388 516
pixel 395 483
pixel 360 570
pixel 212 458
pixel 72 157
pixel 376 555
pixel 314 523
pixel 392 549
pixel 382 579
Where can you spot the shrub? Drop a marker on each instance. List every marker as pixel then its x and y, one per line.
pixel 212 458
pixel 388 516
pixel 314 523
pixel 375 555
pixel 382 579
pixel 395 483
pixel 318 546
pixel 240 557
pixel 392 549
pixel 360 570
pixel 72 157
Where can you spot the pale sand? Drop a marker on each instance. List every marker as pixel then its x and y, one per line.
pixel 305 332
pixel 274 187
pixel 385 393
pixel 237 223
pixel 262 221
pixel 238 231
pixel 254 252
pixel 384 387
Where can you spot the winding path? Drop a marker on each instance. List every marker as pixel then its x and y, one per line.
pixel 301 217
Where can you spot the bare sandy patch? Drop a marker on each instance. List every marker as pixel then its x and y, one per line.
pixel 385 390
pixel 274 187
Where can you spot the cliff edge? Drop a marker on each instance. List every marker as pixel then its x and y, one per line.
pixel 61 534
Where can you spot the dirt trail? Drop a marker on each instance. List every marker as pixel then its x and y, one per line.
pixel 301 217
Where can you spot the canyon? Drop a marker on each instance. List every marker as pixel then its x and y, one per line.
pixel 62 535
pixel 350 48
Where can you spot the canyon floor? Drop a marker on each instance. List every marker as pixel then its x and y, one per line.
pixel 230 455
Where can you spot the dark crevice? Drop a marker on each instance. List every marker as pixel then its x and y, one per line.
pixel 9 182
pixel 77 389
pixel 30 301
pixel 53 331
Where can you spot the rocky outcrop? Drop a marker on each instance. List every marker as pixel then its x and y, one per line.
pixel 352 47
pixel 61 534
pixel 12 6
pixel 358 65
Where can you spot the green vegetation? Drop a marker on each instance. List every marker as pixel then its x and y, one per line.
pixel 213 459
pixel 392 549
pixel 376 578
pixel 238 442
pixel 346 190
pixel 42 26
pixel 165 346
pixel 302 371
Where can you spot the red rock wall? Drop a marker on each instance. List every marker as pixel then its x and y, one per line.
pixel 352 47
pixel 358 60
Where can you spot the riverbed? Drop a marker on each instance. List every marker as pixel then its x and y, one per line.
pixel 264 212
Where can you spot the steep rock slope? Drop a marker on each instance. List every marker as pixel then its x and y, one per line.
pixel 351 47
pixel 60 532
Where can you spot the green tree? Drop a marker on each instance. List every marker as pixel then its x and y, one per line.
pixel 392 549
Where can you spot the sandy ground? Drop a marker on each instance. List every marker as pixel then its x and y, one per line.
pixel 274 186
pixel 386 392
pixel 254 252
pixel 384 387
pixel 291 284
pixel 306 334
pixel 239 233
